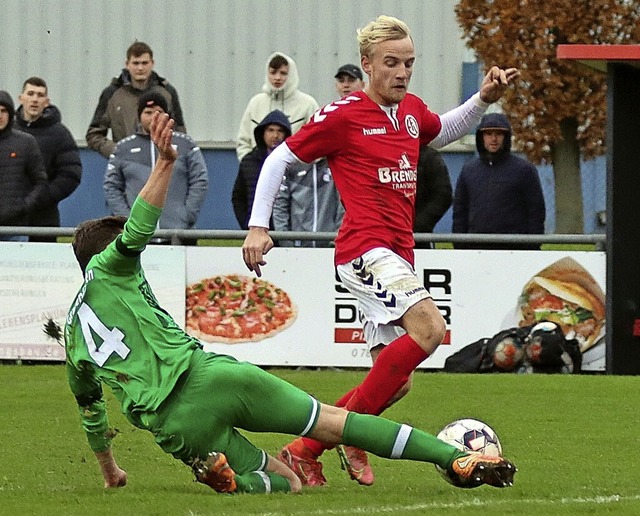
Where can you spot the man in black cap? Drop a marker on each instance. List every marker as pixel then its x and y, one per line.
pixel 348 79
pixel 130 165
pixel 22 173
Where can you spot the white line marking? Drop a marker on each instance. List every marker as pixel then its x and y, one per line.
pixel 475 502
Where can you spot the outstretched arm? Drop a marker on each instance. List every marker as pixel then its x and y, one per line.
pixel 459 121
pixel 258 242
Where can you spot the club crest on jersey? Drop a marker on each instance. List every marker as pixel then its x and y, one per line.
pixel 411 124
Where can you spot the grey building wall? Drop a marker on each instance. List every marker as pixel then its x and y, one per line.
pixel 214 51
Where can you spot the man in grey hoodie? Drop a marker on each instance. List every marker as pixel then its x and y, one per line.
pixel 279 91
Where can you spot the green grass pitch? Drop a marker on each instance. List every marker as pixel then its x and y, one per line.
pixel 573 438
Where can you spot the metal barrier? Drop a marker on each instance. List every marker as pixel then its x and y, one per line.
pixel 176 235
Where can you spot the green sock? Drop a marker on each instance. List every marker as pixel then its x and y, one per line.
pixel 392 440
pixel 262 482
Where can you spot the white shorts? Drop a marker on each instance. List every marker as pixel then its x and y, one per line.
pixel 385 286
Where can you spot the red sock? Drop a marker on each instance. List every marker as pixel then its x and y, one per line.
pixel 313 447
pixel 389 373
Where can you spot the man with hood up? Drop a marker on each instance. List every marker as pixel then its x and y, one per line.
pixel 498 192
pixel 118 104
pixel 269 133
pixel 22 174
pixel 38 117
pixel 279 91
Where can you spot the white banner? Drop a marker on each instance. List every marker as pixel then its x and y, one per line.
pixel 38 281
pixel 476 291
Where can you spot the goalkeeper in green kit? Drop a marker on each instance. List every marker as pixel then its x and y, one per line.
pixel 193 402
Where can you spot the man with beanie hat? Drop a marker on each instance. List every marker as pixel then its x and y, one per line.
pixel 151 100
pixel 130 165
pixel 498 192
pixel 22 173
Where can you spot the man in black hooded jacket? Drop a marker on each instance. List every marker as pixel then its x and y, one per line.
pixel 43 120
pixel 22 175
pixel 269 133
pixel 498 192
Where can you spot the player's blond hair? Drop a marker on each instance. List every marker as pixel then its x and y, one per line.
pixel 383 28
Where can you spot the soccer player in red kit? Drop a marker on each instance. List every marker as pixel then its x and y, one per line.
pixel 372 140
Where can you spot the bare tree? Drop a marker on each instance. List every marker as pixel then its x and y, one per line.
pixel 557 109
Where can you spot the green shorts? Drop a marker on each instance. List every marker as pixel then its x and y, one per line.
pixel 219 395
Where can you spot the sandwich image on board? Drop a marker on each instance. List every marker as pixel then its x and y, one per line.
pixel 567 294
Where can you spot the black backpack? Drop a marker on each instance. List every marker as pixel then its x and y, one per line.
pixel 538 348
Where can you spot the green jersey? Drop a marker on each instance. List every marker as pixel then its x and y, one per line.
pixel 116 333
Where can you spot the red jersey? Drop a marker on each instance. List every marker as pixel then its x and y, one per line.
pixel 373 158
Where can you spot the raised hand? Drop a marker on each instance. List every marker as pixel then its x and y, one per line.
pixel 161 135
pixel 496 82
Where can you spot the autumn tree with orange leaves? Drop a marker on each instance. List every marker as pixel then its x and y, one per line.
pixel 557 108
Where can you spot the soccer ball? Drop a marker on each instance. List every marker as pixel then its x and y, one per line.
pixel 470 435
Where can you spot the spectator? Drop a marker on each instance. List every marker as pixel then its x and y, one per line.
pixel 22 174
pixel 433 192
pixel 498 192
pixel 269 133
pixel 308 201
pixel 43 120
pixel 279 91
pixel 118 102
pixel 348 79
pixel 131 163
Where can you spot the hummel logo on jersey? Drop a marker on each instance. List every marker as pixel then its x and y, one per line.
pixel 377 130
pixel 322 113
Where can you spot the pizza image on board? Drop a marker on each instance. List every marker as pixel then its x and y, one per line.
pixel 236 308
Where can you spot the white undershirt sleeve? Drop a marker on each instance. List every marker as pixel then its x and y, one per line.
pixel 459 121
pixel 269 182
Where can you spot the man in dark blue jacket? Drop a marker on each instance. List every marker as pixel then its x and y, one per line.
pixel 498 192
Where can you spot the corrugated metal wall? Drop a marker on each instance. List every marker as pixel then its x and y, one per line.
pixel 213 51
